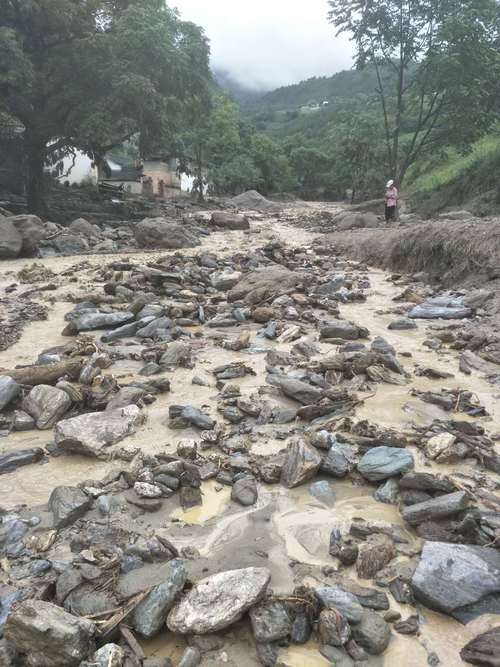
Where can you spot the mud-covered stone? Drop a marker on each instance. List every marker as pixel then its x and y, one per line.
pixel 67 504
pixel 301 464
pixel 218 601
pixel 270 621
pixel 46 405
pixel 372 633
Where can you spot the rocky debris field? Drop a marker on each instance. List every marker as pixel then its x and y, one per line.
pixel 224 442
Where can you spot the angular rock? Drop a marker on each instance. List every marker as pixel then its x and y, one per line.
pixel 160 233
pixel 244 491
pixel 423 481
pixel 388 492
pixel 67 504
pixel 47 635
pixel 225 280
pixel 483 649
pixel 92 434
pixel 372 633
pixel 339 461
pixel 450 577
pixel 32 231
pixel 96 320
pixel 11 240
pixel 149 617
pixel 334 630
pixel 374 554
pixel 9 390
pixel 342 329
pixel 110 655
pixel 46 405
pixel 300 391
pixel 230 220
pixel 402 324
pixel 262 284
pixel 191 657
pixel 437 508
pixel 383 462
pixel 18 459
pixel 177 354
pixel 198 418
pixel 347 604
pixel 301 464
pixel 218 601
pixel 270 621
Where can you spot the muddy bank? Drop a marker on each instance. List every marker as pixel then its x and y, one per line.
pixel 252 464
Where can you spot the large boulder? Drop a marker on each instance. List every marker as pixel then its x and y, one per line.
pixel 383 462
pixel 230 220
pixel 342 329
pixel 44 634
pixel 457 579
pixel 9 390
pixel 46 405
pixel 92 434
pixel 301 464
pixel 149 617
pixel 264 283
pixel 160 233
pixel 11 241
pixel 253 201
pixel 354 220
pixel 215 603
pixel 372 633
pixel 67 504
pixel 84 228
pixel 32 230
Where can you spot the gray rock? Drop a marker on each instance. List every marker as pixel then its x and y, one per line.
pixel 425 311
pixel 383 462
pixel 230 220
pixel 70 244
pixel 336 656
pixel 424 481
pixel 270 621
pixel 264 283
pixel 157 328
pixel 92 434
pixel 342 329
pixel 23 421
pixel 324 492
pixel 126 330
pixel 32 231
pixel 67 504
pixel 17 459
pixel 437 508
pixel 110 655
pixel 9 390
pixel 126 396
pixel 381 345
pixel 46 405
pixel 334 630
pixel 301 464
pixel 11 240
pixel 402 324
pixel 198 418
pixel 450 577
pixel 218 601
pixel 300 391
pixel 145 490
pixel 161 233
pixel 191 657
pixel 85 228
pixel 346 603
pixel 483 649
pixel 372 633
pixel 388 492
pixel 339 461
pixel 225 280
pixel 93 321
pixel 149 617
pixel 45 634
pixel 244 491
pixel 251 200
pixel 177 354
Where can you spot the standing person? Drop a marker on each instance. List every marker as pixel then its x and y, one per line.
pixel 391 202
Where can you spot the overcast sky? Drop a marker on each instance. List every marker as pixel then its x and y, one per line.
pixel 269 43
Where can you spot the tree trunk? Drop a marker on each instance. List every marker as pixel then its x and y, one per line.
pixel 35 152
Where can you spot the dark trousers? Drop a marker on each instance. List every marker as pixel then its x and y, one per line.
pixel 390 213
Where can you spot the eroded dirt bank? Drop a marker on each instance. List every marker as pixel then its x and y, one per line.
pixel 272 405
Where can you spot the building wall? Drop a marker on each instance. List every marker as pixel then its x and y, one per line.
pixel 166 171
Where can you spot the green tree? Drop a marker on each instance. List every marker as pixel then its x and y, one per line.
pixel 436 63
pixel 92 73
pixel 311 166
pixel 269 157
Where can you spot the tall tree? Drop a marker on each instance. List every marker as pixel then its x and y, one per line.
pixel 437 68
pixel 91 73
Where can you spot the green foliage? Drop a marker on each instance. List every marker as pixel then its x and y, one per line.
pixel 92 73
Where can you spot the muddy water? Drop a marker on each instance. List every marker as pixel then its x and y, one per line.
pixel 285 527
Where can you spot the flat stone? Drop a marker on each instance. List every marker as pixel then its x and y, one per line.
pixel 93 321
pixel 218 601
pixel 94 433
pixel 402 325
pixel 47 635
pixel 454 576
pixel 383 462
pixel 299 391
pixel 437 508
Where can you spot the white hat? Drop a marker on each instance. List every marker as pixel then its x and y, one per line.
pixel 390 184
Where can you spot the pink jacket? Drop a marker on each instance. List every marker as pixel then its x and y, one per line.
pixel 391 196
